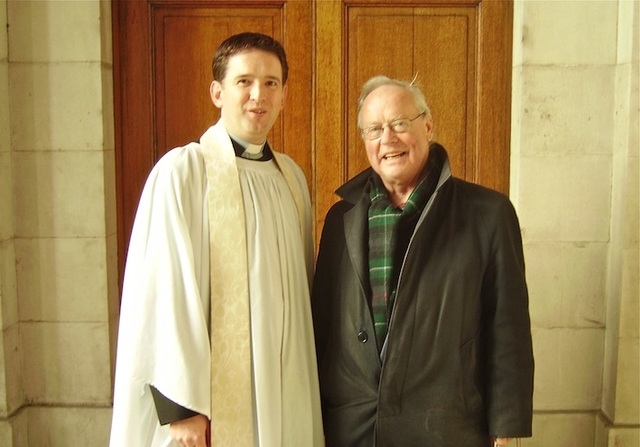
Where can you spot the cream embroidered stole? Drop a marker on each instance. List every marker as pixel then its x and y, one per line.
pixel 231 386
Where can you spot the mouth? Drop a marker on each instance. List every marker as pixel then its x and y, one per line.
pixel 258 111
pixel 393 155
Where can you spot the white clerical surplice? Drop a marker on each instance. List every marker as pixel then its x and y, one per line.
pixel 164 335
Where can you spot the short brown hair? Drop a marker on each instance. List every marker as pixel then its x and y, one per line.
pixel 243 42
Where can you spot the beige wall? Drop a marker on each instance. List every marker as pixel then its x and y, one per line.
pixel 574 183
pixel 57 224
pixel 11 394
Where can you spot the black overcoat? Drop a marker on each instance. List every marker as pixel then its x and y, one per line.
pixel 458 364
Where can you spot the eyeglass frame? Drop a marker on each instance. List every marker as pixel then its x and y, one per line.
pixel 391 125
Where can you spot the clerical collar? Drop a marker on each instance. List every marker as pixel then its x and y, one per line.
pixel 244 149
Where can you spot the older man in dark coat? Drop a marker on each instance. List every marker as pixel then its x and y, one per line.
pixel 420 301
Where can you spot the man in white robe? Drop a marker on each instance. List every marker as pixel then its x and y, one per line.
pixel 200 203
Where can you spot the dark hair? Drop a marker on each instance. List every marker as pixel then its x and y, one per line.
pixel 243 42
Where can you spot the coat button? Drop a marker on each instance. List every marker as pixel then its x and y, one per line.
pixel 363 336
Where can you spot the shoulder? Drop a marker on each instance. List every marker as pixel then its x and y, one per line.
pixel 178 172
pixel 478 195
pixel 288 161
pixel 284 161
pixel 180 163
pixel 339 208
pixel 487 205
pixel 334 218
pixel 181 157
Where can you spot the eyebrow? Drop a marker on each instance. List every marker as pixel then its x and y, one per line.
pixel 396 118
pixel 249 75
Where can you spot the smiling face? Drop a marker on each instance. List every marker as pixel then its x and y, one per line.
pixel 251 94
pixel 397 158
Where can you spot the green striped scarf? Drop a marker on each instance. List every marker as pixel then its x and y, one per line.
pixel 390 229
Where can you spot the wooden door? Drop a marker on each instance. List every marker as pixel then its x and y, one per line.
pixel 163 50
pixel 460 51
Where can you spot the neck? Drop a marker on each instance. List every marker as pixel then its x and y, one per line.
pixel 246 149
pixel 244 142
pixel 398 194
pixel 399 199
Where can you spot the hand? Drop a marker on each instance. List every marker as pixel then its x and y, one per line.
pixel 501 441
pixel 191 432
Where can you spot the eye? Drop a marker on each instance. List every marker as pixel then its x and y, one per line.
pixel 400 126
pixel 243 81
pixel 372 132
pixel 272 83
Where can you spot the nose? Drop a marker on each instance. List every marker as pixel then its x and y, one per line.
pixel 257 92
pixel 388 134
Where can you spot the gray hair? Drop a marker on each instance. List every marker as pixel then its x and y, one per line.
pixel 380 80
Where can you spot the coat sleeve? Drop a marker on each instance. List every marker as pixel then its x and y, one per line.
pixel 509 362
pixel 169 411
pixel 331 241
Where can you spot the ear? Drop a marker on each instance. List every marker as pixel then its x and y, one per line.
pixel 429 124
pixel 284 94
pixel 215 91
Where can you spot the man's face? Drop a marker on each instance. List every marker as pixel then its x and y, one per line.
pixel 398 158
pixel 251 95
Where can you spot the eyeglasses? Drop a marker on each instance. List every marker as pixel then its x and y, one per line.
pixel 398 126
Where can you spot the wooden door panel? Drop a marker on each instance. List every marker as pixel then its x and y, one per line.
pixel 446 53
pixel 373 48
pixel 185 41
pixel 460 51
pixel 437 47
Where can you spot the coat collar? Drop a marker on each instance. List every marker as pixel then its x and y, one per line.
pixel 352 190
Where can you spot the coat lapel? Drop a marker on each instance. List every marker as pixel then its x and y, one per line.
pixel 355 233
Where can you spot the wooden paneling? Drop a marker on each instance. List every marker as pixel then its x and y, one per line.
pixel 493 126
pixel 460 51
pixel 185 41
pixel 436 46
pixel 330 129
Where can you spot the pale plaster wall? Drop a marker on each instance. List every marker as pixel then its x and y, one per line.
pixel 621 397
pixel 11 396
pixel 58 230
pixel 574 183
